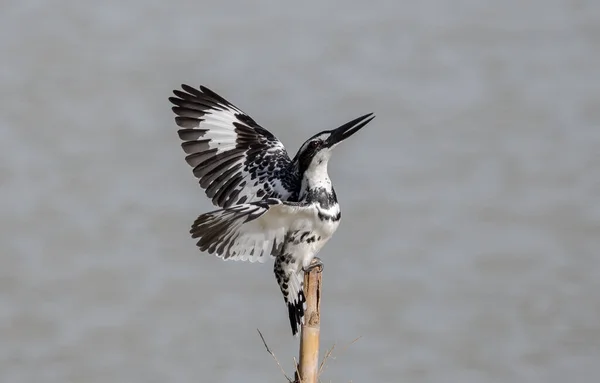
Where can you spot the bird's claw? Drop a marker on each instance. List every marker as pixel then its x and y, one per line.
pixel 316 263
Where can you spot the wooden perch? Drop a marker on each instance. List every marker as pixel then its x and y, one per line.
pixel 308 367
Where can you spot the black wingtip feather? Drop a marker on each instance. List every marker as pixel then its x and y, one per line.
pixel 191 90
pixel 210 93
pixel 187 122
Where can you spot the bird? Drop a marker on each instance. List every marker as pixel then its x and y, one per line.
pixel 270 206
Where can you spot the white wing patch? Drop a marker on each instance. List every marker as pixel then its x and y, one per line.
pixel 219 133
pixel 250 232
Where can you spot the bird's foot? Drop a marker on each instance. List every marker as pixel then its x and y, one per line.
pixel 316 263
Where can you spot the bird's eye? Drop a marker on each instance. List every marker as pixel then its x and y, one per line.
pixel 314 144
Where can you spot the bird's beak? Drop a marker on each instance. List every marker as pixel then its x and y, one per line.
pixel 340 134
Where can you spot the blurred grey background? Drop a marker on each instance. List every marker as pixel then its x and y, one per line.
pixel 470 245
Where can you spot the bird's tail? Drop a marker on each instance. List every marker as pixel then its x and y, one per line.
pixel 291 282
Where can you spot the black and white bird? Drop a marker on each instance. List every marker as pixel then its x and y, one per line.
pixel 271 205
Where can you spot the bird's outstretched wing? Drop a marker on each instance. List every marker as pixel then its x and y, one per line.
pixel 251 231
pixel 235 159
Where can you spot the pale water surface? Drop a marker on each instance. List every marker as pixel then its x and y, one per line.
pixel 469 249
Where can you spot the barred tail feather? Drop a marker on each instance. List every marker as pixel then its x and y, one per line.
pixel 290 278
pixel 296 312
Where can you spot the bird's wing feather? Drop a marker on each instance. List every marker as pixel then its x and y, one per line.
pixel 235 159
pixel 250 231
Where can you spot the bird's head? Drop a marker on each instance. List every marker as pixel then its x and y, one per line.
pixel 315 152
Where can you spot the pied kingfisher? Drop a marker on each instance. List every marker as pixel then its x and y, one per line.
pixel 271 205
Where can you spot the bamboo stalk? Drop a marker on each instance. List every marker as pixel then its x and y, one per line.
pixel 308 367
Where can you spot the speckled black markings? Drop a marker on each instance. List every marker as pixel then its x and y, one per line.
pixel 296 237
pixel 332 218
pixel 322 196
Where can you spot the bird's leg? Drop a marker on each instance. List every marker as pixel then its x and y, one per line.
pixel 316 262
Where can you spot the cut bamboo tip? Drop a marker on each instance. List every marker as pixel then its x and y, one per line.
pixel 308 367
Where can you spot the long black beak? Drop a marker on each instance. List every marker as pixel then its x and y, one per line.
pixel 340 134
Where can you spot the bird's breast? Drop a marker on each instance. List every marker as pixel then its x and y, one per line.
pixel 328 220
